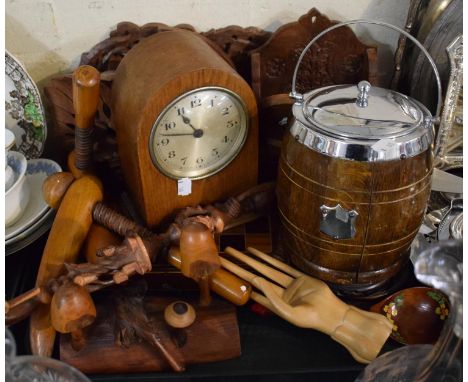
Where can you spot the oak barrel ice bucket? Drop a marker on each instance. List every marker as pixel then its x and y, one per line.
pixel 354 178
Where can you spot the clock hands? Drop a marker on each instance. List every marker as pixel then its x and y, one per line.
pixel 187 121
pixel 197 133
pixel 176 135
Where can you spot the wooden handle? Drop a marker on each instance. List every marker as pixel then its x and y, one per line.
pixel 174 358
pixel 277 99
pixel 86 81
pixel 222 282
pixel 21 306
pixel 68 232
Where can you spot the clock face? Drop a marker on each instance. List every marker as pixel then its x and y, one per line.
pixel 199 133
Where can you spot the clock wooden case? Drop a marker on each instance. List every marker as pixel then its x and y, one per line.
pixel 180 110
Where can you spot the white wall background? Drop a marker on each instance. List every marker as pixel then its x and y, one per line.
pixel 48 36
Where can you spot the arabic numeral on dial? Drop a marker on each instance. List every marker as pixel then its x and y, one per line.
pixel 169 125
pixel 215 152
pixel 180 111
pixel 212 102
pixel 225 139
pixel 171 154
pixel 196 102
pixel 164 141
pixel 230 124
pixel 225 111
pixel 199 160
pixel 184 160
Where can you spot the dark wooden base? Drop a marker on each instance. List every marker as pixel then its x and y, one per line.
pixel 214 336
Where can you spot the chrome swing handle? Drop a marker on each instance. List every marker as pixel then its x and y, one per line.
pixel 299 97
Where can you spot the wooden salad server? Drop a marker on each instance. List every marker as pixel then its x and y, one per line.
pixel 309 303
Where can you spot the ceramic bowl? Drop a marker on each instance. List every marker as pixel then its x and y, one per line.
pixel 17 196
pixel 37 172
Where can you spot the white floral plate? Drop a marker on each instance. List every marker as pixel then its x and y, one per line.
pixel 38 170
pixel 24 112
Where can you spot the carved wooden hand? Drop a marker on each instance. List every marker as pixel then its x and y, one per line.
pixel 309 303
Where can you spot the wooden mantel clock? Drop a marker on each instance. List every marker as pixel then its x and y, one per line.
pixel 181 111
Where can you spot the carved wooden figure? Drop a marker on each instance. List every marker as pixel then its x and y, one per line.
pixel 238 210
pixel 111 265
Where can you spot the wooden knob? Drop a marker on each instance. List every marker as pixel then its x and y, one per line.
pixel 179 314
pixel 55 186
pixel 72 308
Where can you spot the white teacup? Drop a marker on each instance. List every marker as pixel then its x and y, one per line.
pixel 17 196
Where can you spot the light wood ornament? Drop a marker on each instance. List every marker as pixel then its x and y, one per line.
pixel 68 232
pixel 309 303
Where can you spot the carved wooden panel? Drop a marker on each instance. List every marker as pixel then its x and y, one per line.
pixel 337 58
pixel 107 54
pixel 237 43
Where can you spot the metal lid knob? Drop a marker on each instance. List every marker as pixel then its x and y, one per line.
pixel 362 98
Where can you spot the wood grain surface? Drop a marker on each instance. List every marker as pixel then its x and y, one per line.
pixel 214 336
pixel 390 198
pixel 144 84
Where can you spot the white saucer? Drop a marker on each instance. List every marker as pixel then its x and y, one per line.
pixel 38 170
pixel 31 233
